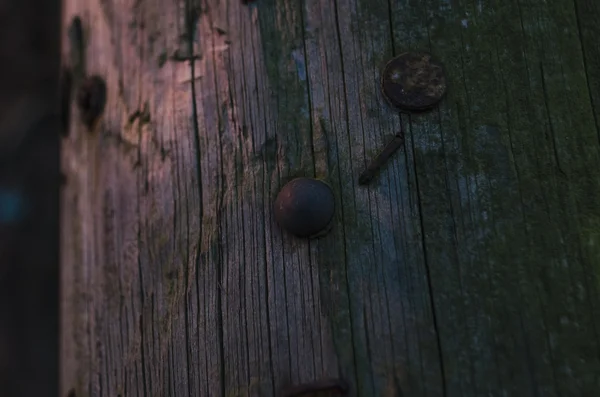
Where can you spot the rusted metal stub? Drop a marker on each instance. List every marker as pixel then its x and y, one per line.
pixel 379 161
pixel 413 81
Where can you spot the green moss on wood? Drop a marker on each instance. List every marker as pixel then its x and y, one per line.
pixel 283 49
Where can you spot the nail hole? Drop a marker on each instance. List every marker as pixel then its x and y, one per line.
pixel 91 99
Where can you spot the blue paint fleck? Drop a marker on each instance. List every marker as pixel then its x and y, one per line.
pixel 304 111
pixel 300 64
pixel 12 208
pixel 301 70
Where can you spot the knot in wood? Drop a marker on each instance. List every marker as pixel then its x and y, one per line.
pixel 91 99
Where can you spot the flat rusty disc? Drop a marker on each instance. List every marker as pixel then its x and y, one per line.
pixel 413 81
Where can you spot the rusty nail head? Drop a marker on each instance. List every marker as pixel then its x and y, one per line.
pixel 339 386
pixel 413 81
pixel 304 207
pixel 91 99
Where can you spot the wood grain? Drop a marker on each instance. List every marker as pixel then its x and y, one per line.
pixel 469 268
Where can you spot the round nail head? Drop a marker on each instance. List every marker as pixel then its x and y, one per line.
pixel 413 81
pixel 304 207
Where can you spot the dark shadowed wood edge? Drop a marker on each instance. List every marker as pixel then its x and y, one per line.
pixel 29 198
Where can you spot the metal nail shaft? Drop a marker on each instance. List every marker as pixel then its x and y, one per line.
pixel 396 143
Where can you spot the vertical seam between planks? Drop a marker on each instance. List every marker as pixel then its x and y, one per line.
pixel 427 267
pixel 317 310
pixel 338 34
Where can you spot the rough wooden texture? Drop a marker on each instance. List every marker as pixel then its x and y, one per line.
pixel 470 267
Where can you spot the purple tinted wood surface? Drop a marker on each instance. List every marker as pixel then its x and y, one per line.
pixel 467 268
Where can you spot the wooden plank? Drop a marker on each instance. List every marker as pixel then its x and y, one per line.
pixel 506 172
pixel 468 267
pixel 29 186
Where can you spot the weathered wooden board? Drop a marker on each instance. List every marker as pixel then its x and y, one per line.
pixel 470 267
